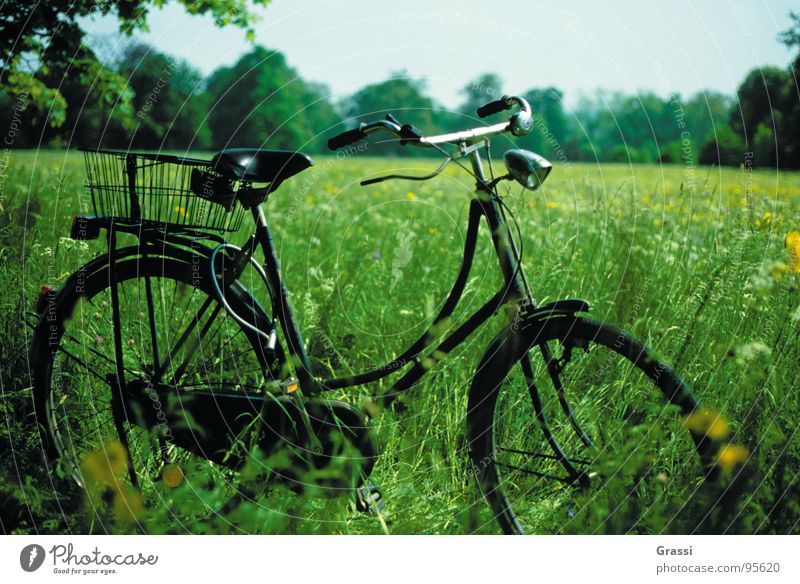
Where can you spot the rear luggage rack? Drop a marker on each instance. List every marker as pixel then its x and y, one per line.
pixel 160 190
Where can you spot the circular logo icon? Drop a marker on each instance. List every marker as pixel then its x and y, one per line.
pixel 31 557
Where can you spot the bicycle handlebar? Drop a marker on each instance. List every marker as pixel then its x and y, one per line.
pixel 518 124
pixel 346 138
pixel 493 107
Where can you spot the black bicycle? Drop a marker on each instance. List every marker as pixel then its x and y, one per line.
pixel 164 346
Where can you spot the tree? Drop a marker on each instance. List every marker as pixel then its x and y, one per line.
pixel 726 148
pixel 614 123
pixel 686 124
pixel 790 138
pixel 100 106
pixel 481 90
pixel 402 97
pixel 261 101
pixel 551 128
pixel 42 38
pixel 169 101
pixel 704 112
pixel 760 95
pixel 764 151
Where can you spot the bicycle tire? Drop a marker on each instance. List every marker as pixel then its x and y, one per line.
pixel 55 336
pixel 497 466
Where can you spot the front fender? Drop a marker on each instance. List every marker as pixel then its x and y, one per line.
pixel 508 347
pixel 564 307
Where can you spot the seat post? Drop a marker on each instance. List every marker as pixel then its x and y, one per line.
pixel 283 305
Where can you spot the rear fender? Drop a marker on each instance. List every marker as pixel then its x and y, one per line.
pixel 75 285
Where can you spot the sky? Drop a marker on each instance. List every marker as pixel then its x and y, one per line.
pixel 579 47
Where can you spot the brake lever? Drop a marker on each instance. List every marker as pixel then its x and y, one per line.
pixel 408 133
pixel 434 174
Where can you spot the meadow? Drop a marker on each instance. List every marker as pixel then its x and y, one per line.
pixel 695 260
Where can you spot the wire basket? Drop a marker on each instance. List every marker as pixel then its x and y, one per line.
pixel 161 190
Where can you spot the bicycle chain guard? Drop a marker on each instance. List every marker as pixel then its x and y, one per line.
pixel 216 424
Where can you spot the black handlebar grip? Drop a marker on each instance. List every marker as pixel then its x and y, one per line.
pixel 493 107
pixel 345 138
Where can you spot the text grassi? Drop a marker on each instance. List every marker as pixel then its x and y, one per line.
pixel 65 554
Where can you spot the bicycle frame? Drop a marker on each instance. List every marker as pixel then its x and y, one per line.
pixel 515 289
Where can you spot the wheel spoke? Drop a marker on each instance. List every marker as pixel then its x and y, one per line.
pixel 161 369
pixel 567 480
pixel 188 333
pixel 542 455
pixel 555 377
pixel 610 389
pixel 179 372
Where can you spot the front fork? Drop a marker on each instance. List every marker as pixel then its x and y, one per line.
pixel 519 290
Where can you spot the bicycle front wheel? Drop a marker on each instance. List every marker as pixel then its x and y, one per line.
pixel 605 413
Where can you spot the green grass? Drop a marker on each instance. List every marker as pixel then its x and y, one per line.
pixel 691 260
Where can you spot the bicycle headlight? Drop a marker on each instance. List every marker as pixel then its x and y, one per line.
pixel 527 168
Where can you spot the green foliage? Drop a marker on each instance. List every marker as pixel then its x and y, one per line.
pixel 38 59
pixel 645 128
pixel 726 149
pixel 760 96
pixel 150 100
pixel 261 101
pixel 169 101
pixel 400 96
pixel 101 104
pixel 764 146
pixel 481 90
pixel 768 108
pixel 551 126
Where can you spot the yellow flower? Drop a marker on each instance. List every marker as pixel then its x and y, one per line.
pixel 127 504
pixel 104 469
pixel 731 455
pixel 181 211
pixel 172 475
pixel 793 248
pixel 410 196
pixel 778 269
pixel 104 465
pixel 707 422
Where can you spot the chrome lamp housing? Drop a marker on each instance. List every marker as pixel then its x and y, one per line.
pixel 527 168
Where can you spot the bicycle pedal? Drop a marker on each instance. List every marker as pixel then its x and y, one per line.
pixel 369 499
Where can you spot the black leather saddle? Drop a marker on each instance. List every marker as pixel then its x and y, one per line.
pixel 263 166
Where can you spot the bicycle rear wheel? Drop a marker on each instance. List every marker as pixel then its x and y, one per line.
pixel 174 331
pixel 607 414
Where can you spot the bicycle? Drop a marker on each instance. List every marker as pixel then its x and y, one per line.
pixel 192 366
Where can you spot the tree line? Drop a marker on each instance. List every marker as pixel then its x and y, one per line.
pixel 149 100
